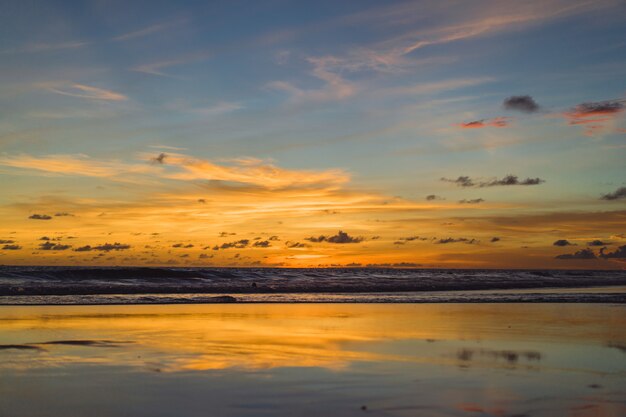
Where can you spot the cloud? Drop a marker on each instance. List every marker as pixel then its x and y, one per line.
pixel 341 237
pixel 149 30
pixel 217 109
pixel 3 241
pixel 412 238
pixel 596 243
pixel 394 265
pixel 250 171
pixel 473 201
pixel 432 197
pixel 296 245
pixel 156 68
pixel 84 91
pixel 335 87
pixel 478 124
pixel 582 113
pixel 63 214
pixel 160 158
pixel 563 242
pixel 581 254
pixel 45 47
pixel 465 181
pixel 11 247
pixel 40 217
pixel 107 247
pixel 618 194
pixel 240 244
pixel 524 104
pixel 461 181
pixel 53 246
pixel 594 115
pixel 620 253
pixel 182 245
pixel 495 239
pixel 262 244
pixel 456 240
pixel 76 165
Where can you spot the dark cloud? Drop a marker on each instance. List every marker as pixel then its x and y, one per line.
pixel 240 244
pixel 462 181
pixel 11 247
pixel 618 194
pixel 340 237
pixel 40 217
pixel 456 240
pixel 6 241
pixel 495 239
pixel 412 238
pixel 273 238
pixel 478 124
pixel 291 245
pixel 465 181
pixel 473 201
pixel 204 256
pixel 111 246
pixel 563 242
pixel 160 158
pixel 182 245
pixel 201 201
pixel 512 180
pixel 596 243
pixel 597 108
pixel 262 244
pixel 86 248
pixel 394 265
pixel 521 103
pixel 63 214
pixel 432 197
pixel 581 254
pixel 53 246
pixel 224 234
pixel 620 253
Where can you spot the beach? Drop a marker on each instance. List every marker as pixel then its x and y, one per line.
pixel 313 359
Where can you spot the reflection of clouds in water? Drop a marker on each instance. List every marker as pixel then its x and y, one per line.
pixel 510 356
pixel 396 360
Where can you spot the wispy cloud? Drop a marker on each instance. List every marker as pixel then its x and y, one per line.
pixel 80 165
pixel 149 30
pixel 335 86
pixel 84 91
pixel 156 68
pixel 248 171
pixel 45 47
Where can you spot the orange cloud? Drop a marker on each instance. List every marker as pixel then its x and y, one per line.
pixel 594 116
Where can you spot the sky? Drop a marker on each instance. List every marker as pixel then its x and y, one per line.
pixel 434 134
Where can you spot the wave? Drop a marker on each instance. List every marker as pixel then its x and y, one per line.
pixel 41 281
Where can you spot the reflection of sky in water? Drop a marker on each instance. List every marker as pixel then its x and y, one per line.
pixel 397 360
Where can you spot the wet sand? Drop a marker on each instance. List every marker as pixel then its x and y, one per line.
pixel 313 359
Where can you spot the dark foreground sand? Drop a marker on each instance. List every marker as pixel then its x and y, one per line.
pixel 313 360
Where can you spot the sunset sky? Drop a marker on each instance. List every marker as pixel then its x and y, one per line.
pixel 482 134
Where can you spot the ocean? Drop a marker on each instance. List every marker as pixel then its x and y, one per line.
pixel 140 285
